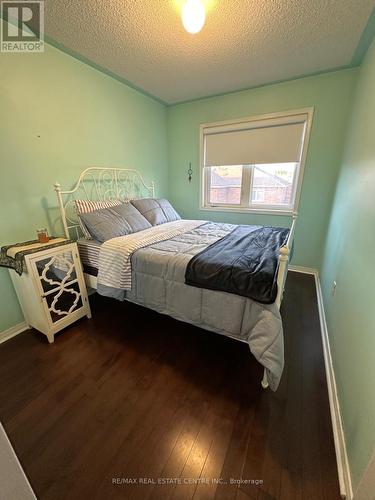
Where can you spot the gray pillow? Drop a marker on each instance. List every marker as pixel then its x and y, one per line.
pixel 132 216
pixel 107 223
pixel 156 211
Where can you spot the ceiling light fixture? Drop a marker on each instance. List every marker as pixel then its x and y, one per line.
pixel 193 16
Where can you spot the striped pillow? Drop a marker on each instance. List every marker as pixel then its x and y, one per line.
pixel 86 206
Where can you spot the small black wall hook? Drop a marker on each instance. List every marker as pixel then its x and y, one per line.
pixel 190 172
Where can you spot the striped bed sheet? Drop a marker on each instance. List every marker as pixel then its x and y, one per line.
pixel 89 252
pixel 115 267
pixel 119 250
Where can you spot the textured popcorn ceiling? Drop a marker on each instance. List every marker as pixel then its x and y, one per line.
pixel 244 43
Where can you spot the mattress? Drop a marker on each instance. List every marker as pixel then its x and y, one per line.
pixel 89 253
pixel 158 282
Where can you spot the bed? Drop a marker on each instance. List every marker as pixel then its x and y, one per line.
pixel 150 268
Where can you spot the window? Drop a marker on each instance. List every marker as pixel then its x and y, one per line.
pixel 255 164
pixel 258 195
pixel 225 185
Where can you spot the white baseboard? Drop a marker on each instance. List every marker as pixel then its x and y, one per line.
pixel 13 331
pixel 343 468
pixel 303 270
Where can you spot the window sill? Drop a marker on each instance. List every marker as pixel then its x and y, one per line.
pixel 245 210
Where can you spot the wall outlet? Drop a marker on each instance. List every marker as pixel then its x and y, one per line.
pixel 334 286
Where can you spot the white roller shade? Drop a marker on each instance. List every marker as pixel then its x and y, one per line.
pixel 254 143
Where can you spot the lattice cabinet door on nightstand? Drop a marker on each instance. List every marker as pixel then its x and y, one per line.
pixel 52 290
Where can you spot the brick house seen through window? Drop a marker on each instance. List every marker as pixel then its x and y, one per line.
pixel 271 185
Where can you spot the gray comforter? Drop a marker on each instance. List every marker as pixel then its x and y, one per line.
pixel 158 282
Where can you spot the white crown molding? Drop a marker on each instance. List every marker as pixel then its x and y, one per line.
pixel 13 331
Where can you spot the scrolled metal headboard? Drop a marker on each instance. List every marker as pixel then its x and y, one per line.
pixel 100 184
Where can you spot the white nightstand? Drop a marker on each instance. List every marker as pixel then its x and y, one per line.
pixel 51 290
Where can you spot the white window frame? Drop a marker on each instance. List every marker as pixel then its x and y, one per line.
pixel 204 181
pixel 257 191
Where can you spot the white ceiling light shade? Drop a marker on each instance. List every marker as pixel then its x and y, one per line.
pixel 193 16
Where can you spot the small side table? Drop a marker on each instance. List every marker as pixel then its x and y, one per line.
pixel 51 290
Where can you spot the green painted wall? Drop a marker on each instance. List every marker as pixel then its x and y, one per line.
pixel 330 94
pixel 349 259
pixel 59 116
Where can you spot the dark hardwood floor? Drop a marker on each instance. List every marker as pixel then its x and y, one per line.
pixel 133 395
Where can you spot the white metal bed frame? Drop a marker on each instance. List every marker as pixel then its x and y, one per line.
pixel 110 183
pixel 100 184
